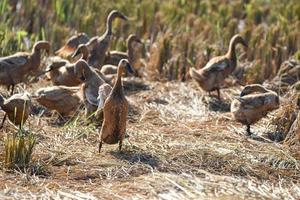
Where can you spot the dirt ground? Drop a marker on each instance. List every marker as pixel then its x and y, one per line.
pixel 181 144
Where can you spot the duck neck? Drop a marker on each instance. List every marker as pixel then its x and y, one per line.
pixel 231 50
pixel 36 57
pixel 84 54
pixel 1 100
pixel 130 53
pixel 118 84
pixel 109 26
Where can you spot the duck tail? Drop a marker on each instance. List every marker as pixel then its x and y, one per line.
pixel 195 75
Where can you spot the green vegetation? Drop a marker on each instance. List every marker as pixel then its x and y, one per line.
pixel 190 31
pixel 18 150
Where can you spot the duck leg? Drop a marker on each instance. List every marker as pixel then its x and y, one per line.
pixel 100 146
pixel 248 130
pixel 218 90
pixel 120 145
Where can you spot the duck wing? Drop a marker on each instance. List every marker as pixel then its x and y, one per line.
pixel 91 97
pixel 252 102
pixel 217 64
pixel 72 44
pixel 16 60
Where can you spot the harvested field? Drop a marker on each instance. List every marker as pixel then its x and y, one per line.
pixel 181 145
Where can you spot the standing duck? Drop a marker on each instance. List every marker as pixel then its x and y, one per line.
pixel 254 102
pixel 68 49
pixel 213 74
pixel 115 111
pixel 16 107
pixel 62 73
pixel 15 68
pixel 99 45
pixel 91 83
pixel 113 58
pixel 65 100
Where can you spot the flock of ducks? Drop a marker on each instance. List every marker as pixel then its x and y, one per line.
pixel 95 79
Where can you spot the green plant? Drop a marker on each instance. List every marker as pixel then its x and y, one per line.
pixel 18 150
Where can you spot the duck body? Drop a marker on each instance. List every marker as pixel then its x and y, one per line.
pixel 253 104
pixel 68 49
pixel 115 111
pixel 15 68
pixel 63 99
pixel 213 74
pixel 17 108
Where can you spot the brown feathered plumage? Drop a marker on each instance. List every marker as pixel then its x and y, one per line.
pixel 68 49
pixel 99 45
pixel 63 99
pixel 91 83
pixel 254 102
pixel 62 73
pixel 15 68
pixel 115 111
pixel 17 108
pixel 213 74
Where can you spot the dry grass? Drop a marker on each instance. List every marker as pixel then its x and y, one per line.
pixel 181 145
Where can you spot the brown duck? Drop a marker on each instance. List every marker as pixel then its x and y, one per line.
pixel 113 58
pixel 213 74
pixel 115 111
pixel 65 100
pixel 99 45
pixel 16 107
pixel 62 73
pixel 91 83
pixel 15 68
pixel 71 45
pixel 254 102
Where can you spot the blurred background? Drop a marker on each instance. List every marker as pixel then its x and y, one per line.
pixel 177 34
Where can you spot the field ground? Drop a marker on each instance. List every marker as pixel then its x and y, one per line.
pixel 181 145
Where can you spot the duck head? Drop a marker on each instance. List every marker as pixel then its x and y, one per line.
pixel 124 66
pixel 116 14
pixel 80 69
pixel 133 38
pixel 55 66
pixel 41 45
pixel 237 39
pixel 81 49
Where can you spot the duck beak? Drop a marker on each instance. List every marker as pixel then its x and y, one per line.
pixel 123 17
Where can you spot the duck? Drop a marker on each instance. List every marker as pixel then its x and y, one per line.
pixel 17 108
pixel 213 74
pixel 15 68
pixel 115 111
pixel 113 58
pixel 72 43
pixel 62 72
pixel 91 82
pixel 98 46
pixel 254 102
pixel 63 99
